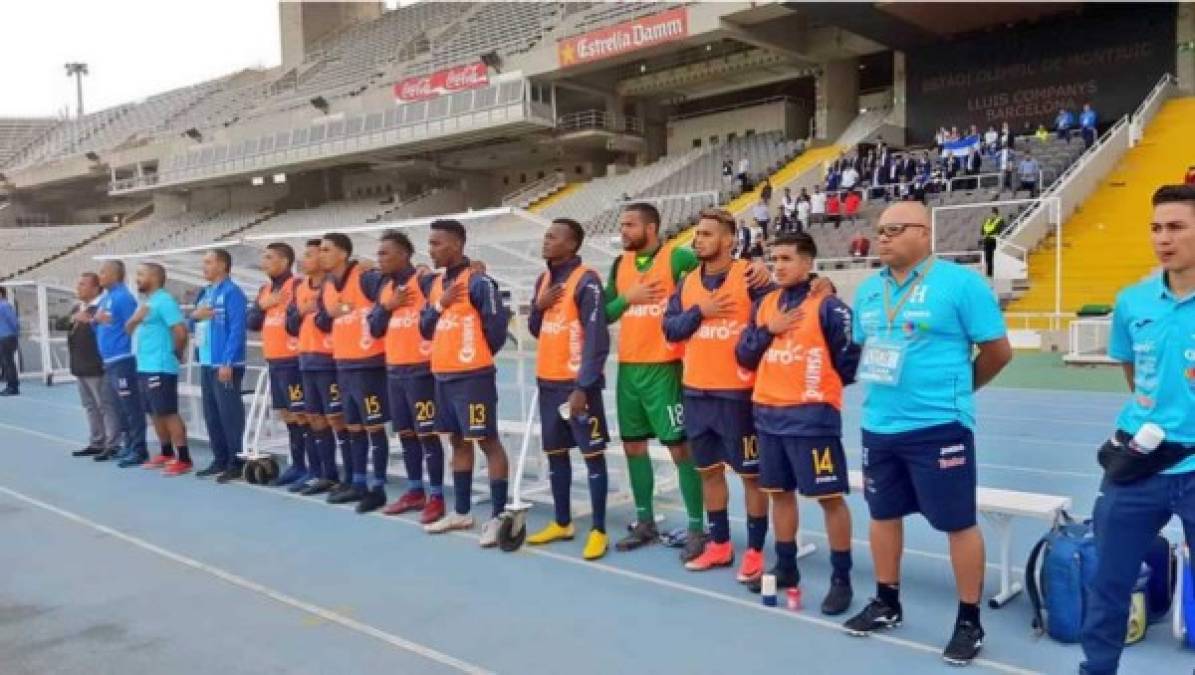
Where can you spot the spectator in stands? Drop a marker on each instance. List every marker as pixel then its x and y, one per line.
pixel 1141 493
pixel 850 178
pixel 10 328
pixel 1189 179
pixel 1087 125
pixel 860 245
pixel 97 398
pixel 939 138
pixel 762 215
pixel 1005 136
pixel 220 324
pixel 973 165
pixel 991 140
pixel 804 203
pixel 834 209
pixel 993 226
pixel 817 205
pixel 1029 174
pixel 727 170
pixel 743 177
pixel 1042 134
pixel 1006 161
pixel 1063 123
pixel 765 191
pixel 744 242
pixel 788 208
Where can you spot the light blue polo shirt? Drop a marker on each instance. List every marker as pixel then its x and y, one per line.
pixel 155 344
pixel 1155 331
pixel 947 313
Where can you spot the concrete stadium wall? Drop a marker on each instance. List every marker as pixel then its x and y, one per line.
pixel 787 116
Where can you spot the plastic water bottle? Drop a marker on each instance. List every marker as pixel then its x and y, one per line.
pixel 1147 439
pixel 767 590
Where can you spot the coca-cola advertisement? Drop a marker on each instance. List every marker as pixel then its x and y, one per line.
pixel 457 78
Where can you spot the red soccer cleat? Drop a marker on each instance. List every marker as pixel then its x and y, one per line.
pixel 433 511
pixel 176 468
pixel 411 500
pixel 158 462
pixel 751 567
pixel 714 555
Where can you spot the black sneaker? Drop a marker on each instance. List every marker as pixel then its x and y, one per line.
pixel 230 474
pixel 838 598
pixel 211 470
pixel 642 535
pixel 347 494
pixel 372 500
pixel 106 455
pixel 784 579
pixel 318 487
pixel 89 451
pixel 877 615
pixel 694 545
pixel 964 645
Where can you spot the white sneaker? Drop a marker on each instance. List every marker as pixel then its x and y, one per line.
pixel 452 521
pixel 489 532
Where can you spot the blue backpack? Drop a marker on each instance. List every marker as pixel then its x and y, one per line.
pixel 1059 569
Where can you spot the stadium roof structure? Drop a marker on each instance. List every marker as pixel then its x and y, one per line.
pixel 507 239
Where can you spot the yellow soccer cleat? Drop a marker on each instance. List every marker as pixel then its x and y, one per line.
pixel 595 545
pixel 553 532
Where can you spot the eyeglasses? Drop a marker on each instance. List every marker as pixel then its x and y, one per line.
pixel 895 229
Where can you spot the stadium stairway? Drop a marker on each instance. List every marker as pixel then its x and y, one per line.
pixel 1105 244
pixel 552 197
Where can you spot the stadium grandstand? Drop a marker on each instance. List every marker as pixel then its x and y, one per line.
pixel 507 116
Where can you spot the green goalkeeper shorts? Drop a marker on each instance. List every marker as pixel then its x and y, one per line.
pixel 649 402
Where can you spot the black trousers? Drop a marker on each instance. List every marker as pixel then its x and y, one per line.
pixel 8 361
pixel 989 254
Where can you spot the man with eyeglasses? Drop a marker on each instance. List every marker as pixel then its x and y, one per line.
pixel 918 321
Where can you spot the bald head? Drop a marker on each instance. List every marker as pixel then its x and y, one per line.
pixel 903 236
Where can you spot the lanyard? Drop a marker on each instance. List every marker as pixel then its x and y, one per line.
pixel 891 311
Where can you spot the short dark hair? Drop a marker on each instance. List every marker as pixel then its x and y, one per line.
pixel 800 240
pixel 574 227
pixel 721 215
pixel 284 250
pixel 646 211
pixel 117 265
pixel 92 277
pixel 224 257
pixel 399 239
pixel 1172 194
pixel 159 271
pixel 450 226
pixel 340 241
pixel 315 242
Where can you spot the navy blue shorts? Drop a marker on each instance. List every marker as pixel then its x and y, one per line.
pixel 721 431
pixel 321 393
pixel 814 466
pixel 159 393
pixel 286 388
pixel 412 403
pixel 363 396
pixel 468 406
pixel 931 471
pixel 590 433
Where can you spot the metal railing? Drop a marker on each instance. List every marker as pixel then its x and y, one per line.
pixel 1145 112
pixel 598 119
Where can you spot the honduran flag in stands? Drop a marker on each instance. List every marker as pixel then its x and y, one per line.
pixel 962 147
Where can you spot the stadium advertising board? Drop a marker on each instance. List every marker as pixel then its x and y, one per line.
pixel 629 36
pixel 450 80
pixel 1024 76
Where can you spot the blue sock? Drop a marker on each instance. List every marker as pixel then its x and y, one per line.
pixel 346 454
pixel 359 451
pixel 311 449
pixel 326 446
pixel 462 490
pixel 379 448
pixel 560 475
pixel 412 458
pixel 757 531
pixel 298 458
pixel 599 486
pixel 786 556
pixel 840 562
pixel 719 526
pixel 433 453
pixel 498 489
